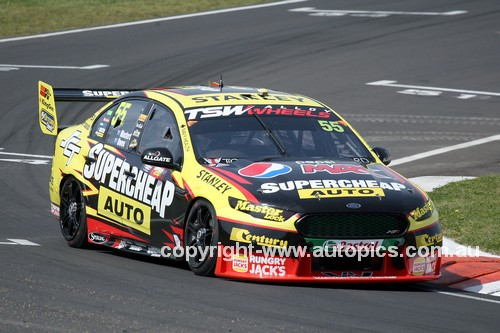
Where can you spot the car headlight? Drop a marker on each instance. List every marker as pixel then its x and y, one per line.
pixel 260 211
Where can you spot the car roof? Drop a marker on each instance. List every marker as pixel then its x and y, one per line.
pixel 193 96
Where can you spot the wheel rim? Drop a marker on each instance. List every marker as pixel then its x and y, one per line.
pixel 200 233
pixel 71 209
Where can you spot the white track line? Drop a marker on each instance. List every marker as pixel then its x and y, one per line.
pixel 26 155
pixel 445 150
pixel 169 18
pixel 389 83
pixel 54 67
pixel 476 298
pixel 314 10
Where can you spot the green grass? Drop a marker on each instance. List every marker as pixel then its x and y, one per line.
pixel 26 17
pixel 469 211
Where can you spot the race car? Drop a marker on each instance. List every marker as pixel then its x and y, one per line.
pixel 240 182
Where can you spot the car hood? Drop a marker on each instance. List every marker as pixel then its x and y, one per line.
pixel 323 186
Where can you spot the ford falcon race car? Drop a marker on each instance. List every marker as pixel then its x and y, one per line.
pixel 241 183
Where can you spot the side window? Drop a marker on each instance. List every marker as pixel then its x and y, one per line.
pixel 161 131
pixel 123 122
pixel 101 125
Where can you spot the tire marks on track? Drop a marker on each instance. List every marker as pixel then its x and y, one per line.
pixel 421 119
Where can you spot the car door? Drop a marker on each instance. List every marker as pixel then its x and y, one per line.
pixel 155 186
pixel 111 173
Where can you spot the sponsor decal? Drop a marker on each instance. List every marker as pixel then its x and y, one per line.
pixel 346 275
pixel 245 236
pixel 430 264
pixel 362 160
pixel 418 266
pixel 238 110
pixel 110 170
pixel 185 138
pixel 260 211
pixel 106 119
pixel 427 240
pixel 424 212
pixel 331 184
pixel 143 117
pixel 340 192
pixel 137 133
pixel 214 111
pixel 97 238
pixel 71 146
pixel 350 245
pixel 156 157
pixel 154 252
pixel 135 248
pixel 240 263
pixel 267 266
pixel 246 97
pixel 120 143
pixel 213 181
pixel 133 144
pixel 289 111
pixel 48 121
pixel 54 209
pixel 125 135
pixel 333 169
pixel 104 93
pixel 158 172
pixel 219 162
pixel 122 245
pixel 264 170
pixel 212 161
pixel 132 213
pixel 44 91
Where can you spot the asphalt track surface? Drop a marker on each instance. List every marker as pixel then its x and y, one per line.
pixel 52 287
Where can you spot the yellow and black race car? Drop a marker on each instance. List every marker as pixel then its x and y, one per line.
pixel 240 182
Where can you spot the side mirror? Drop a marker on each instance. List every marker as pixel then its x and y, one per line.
pixel 160 157
pixel 383 154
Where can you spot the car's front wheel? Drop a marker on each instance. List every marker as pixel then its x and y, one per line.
pixel 72 218
pixel 201 237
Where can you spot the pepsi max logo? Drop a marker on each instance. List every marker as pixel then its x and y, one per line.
pixel 264 170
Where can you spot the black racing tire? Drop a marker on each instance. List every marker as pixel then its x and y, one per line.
pixel 201 230
pixel 72 217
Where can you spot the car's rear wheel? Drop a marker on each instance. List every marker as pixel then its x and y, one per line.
pixel 201 237
pixel 72 218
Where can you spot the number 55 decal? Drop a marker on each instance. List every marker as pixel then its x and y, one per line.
pixel 120 114
pixel 329 126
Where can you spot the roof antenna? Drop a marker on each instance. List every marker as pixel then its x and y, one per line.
pixel 221 84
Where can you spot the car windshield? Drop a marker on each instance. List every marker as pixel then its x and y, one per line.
pixel 259 132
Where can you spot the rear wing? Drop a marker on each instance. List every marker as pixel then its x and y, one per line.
pixel 48 96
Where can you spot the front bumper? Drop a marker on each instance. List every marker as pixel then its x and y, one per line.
pixel 237 261
pixel 266 268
